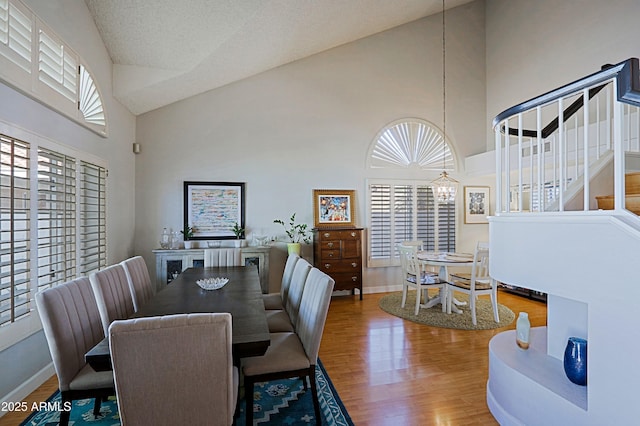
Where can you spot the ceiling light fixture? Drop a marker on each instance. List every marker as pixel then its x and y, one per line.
pixel 444 188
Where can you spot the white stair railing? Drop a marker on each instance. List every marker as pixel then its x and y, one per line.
pixel 558 151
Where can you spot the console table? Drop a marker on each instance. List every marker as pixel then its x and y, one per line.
pixel 169 263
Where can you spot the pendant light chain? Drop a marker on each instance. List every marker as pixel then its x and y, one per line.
pixel 444 188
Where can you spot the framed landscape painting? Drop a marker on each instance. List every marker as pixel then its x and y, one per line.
pixel 476 204
pixel 333 207
pixel 213 208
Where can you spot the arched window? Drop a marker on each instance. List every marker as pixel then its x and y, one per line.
pixel 411 143
pixel 405 209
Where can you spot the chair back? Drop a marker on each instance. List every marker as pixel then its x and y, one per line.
pixel 411 267
pixel 222 257
pixel 480 267
pixel 314 307
pixel 71 324
pixel 289 266
pixel 174 369
pixel 113 296
pixel 418 244
pixel 139 281
pixel 294 297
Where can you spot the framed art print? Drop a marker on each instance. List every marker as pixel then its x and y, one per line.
pixel 333 207
pixel 213 208
pixel 476 204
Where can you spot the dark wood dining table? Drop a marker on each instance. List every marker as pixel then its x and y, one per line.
pixel 241 297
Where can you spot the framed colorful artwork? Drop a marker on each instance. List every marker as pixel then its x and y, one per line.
pixel 213 208
pixel 333 207
pixel 476 204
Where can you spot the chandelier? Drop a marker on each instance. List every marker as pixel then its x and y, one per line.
pixel 444 188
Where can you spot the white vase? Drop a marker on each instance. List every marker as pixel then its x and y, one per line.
pixel 522 330
pixel 237 243
pixel 188 244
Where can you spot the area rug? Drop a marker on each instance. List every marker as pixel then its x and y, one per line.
pixel 278 402
pixel 436 318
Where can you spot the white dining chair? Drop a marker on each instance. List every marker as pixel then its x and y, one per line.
pixel 414 275
pixel 477 284
pixel 222 257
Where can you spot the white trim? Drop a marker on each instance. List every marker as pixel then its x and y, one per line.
pixel 30 385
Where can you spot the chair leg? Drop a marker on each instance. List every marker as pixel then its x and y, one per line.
pixel 494 304
pixel 96 406
pixel 314 394
pixel 472 306
pixel 248 401
pixel 418 296
pixel 64 414
pixel 404 295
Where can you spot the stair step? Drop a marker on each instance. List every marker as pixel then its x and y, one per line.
pixel 632 202
pixel 632 183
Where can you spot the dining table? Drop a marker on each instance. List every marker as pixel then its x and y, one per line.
pixel 241 296
pixel 443 260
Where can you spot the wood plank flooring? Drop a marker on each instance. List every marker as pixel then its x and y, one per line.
pixel 389 371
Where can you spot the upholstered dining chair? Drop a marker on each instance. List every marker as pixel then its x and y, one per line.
pixel 174 370
pixel 222 257
pixel 284 320
pixel 135 269
pixel 113 296
pixel 415 276
pixel 275 301
pixel 477 284
pixel 294 354
pixel 71 324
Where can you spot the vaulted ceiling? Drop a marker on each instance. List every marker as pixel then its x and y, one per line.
pixel 167 50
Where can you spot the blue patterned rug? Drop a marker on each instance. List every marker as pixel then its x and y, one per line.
pixel 279 402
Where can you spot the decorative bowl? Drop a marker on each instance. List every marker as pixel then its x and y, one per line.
pixel 212 283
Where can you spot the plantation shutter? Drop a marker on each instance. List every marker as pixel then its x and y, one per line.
pixel 93 220
pixel 407 211
pixel 56 218
pixel 15 34
pixel 15 223
pixel 57 65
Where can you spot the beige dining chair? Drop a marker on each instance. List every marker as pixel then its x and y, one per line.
pixel 71 324
pixel 294 354
pixel 174 370
pixel 275 301
pixel 414 275
pixel 477 284
pixel 284 320
pixel 222 257
pixel 137 274
pixel 113 296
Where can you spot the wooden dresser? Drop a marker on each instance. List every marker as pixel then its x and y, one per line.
pixel 338 252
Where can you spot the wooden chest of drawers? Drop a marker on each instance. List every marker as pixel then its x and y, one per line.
pixel 338 252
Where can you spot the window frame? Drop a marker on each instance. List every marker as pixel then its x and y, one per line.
pixel 13 332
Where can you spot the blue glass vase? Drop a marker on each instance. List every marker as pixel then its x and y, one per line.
pixel 575 360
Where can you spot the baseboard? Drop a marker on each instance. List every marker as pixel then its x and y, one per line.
pixel 33 383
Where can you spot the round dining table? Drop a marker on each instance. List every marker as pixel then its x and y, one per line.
pixel 443 260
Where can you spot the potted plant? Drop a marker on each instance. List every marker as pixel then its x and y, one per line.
pixel 238 232
pixel 187 234
pixel 297 233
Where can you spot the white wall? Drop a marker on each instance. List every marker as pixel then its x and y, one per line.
pixel 537 46
pixel 308 125
pixel 70 19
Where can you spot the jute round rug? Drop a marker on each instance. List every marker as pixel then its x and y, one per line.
pixel 436 318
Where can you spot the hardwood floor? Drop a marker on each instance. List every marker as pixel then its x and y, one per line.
pixel 389 371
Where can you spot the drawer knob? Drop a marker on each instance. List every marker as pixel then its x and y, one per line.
pixel 354 278
pixel 326 235
pixel 330 255
pixel 327 265
pixel 330 244
pixel 353 234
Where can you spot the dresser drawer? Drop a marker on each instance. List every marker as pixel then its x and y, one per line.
pixel 330 245
pixel 345 234
pixel 339 266
pixel 346 281
pixel 329 255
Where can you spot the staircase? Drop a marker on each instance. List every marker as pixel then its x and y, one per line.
pixel 632 195
pixel 557 231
